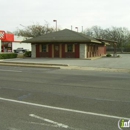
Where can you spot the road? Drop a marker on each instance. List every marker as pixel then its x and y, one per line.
pixel 55 99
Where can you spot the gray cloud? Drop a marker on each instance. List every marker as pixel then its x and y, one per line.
pixel 104 13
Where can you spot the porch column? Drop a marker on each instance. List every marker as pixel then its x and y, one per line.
pixel 33 46
pixel 52 50
pixel 60 50
pixel 83 51
pixel 0 46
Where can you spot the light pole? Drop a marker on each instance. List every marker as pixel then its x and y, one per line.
pixel 76 28
pixel 56 23
pixel 82 29
pixel 71 27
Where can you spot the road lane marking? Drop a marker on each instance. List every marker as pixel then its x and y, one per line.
pixel 42 124
pixel 11 71
pixel 64 109
pixel 54 124
pixel 49 121
pixel 49 125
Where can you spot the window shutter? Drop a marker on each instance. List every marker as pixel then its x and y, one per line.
pixel 65 47
pixel 52 50
pixel 46 47
pixel 60 50
pixel 73 47
pixel 40 48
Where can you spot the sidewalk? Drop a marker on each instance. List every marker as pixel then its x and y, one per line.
pixel 121 64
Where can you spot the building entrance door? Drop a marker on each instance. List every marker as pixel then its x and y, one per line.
pixel 56 50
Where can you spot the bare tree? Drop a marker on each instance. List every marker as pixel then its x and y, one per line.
pixel 34 30
pixel 95 31
pixel 120 35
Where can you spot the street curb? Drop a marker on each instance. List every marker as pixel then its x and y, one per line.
pixel 29 65
pixel 26 63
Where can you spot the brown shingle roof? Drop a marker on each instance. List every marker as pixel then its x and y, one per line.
pixel 62 36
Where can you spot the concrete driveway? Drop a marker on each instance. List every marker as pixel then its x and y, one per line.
pixel 116 63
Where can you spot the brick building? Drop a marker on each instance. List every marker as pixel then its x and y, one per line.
pixel 66 44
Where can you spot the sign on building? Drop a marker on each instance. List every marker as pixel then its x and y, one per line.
pixel 2 35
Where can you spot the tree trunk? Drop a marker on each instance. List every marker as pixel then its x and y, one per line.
pixel 115 50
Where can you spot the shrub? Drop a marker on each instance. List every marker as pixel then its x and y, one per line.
pixel 27 54
pixel 8 55
pixel 108 55
pixel 118 56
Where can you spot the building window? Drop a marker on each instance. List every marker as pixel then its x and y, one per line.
pixel 70 48
pixel 44 48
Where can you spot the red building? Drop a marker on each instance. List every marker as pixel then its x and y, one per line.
pixel 10 42
pixel 6 41
pixel 66 44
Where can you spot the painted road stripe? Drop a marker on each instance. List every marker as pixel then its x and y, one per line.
pixel 11 71
pixel 50 125
pixel 42 124
pixel 49 121
pixel 64 109
pixel 54 124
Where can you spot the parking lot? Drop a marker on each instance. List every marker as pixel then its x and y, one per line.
pixel 123 62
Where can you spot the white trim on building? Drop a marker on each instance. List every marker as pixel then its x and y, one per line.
pixel 33 46
pixel 83 51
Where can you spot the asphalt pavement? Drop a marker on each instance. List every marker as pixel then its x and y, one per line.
pixel 51 99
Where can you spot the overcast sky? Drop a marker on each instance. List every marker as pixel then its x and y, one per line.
pixel 78 13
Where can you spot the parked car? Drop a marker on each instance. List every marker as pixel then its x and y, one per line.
pixel 20 50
